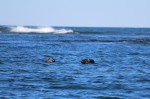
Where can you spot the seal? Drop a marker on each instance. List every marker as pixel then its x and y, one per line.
pixel 50 60
pixel 87 61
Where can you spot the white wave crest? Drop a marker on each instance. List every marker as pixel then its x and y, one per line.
pixel 22 29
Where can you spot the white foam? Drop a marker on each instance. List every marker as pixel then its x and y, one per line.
pixel 63 31
pixel 22 29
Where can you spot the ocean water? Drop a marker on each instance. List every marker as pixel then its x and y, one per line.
pixel 121 71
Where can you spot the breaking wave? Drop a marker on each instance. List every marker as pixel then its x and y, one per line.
pixel 23 29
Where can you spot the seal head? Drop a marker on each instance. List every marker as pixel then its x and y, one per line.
pixel 50 60
pixel 87 61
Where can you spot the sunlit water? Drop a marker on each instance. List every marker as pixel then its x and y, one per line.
pixel 121 71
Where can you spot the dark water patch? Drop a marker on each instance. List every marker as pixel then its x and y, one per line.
pixel 108 97
pixel 137 41
pixel 135 53
pixel 24 87
pixel 7 80
pixel 1 62
pixel 76 87
pixel 141 41
pixel 143 79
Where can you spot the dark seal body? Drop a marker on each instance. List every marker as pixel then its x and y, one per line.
pixel 87 61
pixel 50 60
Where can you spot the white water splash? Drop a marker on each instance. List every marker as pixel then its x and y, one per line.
pixel 22 29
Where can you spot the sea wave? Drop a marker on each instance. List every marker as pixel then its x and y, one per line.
pixel 23 29
pixel 77 30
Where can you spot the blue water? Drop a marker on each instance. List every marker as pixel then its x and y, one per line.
pixel 121 71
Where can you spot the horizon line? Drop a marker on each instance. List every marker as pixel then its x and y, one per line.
pixel 78 26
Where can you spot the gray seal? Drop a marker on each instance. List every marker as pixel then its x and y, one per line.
pixel 50 60
pixel 87 61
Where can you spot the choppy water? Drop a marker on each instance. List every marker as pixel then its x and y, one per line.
pixel 122 69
